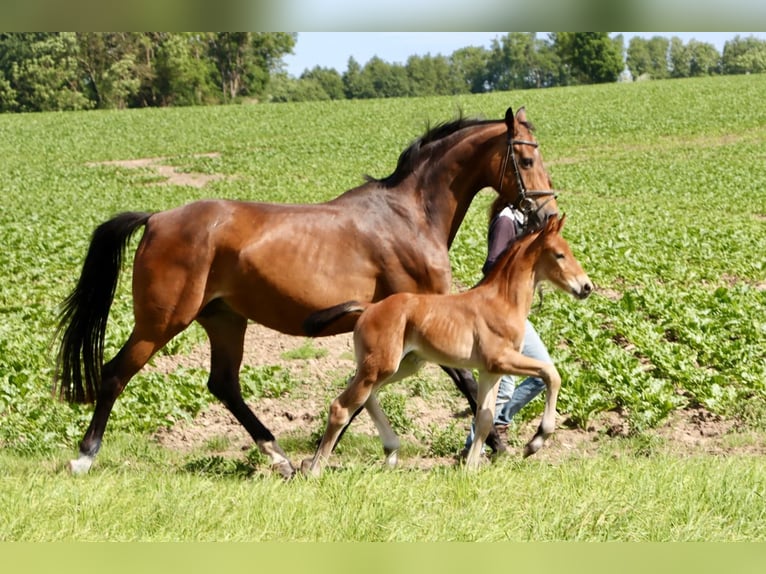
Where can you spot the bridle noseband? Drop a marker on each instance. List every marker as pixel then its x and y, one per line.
pixel 525 202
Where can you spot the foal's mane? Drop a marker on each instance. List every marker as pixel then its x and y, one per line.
pixel 411 157
pixel 504 260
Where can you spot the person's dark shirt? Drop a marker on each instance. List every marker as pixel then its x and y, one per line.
pixel 504 229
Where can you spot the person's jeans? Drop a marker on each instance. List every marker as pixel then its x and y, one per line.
pixel 511 399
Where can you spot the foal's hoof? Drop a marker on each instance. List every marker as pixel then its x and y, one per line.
pixel 533 446
pixel 307 470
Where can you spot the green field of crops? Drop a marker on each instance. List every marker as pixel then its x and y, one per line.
pixel 664 185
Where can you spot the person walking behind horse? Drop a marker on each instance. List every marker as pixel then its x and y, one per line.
pixel 506 225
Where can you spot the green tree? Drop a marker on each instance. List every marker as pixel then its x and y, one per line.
pixel 386 80
pixel 511 60
pixel 110 65
pixel 469 66
pixel 744 56
pixel 589 57
pixel 182 72
pixel 638 60
pixel 704 59
pixel 328 79
pixel 680 59
pixel 431 76
pixel 245 60
pixel 38 72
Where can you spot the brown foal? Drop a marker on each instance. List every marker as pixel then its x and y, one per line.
pixel 482 329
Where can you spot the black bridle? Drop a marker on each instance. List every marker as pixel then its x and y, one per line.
pixel 525 202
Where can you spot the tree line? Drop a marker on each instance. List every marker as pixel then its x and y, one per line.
pixel 72 71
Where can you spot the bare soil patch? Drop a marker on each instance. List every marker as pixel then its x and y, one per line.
pixel 301 412
pixel 170 173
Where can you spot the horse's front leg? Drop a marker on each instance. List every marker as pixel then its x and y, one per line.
pixel 485 416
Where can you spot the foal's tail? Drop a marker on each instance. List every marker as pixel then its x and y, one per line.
pixel 316 322
pixel 82 321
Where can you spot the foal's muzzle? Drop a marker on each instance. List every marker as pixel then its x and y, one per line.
pixel 583 290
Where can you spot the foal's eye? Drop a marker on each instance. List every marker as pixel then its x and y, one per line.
pixel 560 256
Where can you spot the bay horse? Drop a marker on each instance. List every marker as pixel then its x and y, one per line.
pixel 224 262
pixel 482 328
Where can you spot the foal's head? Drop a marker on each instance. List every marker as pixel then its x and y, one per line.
pixel 556 263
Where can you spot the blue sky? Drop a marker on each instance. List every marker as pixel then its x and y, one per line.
pixel 332 49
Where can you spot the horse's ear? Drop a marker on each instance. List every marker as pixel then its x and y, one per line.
pixel 521 115
pixel 561 222
pixel 509 119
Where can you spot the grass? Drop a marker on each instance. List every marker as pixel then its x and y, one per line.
pixel 620 494
pixel 663 184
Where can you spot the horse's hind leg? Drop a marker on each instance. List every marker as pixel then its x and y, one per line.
pixel 114 377
pixel 226 330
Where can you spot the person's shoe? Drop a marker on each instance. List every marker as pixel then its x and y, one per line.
pixel 502 440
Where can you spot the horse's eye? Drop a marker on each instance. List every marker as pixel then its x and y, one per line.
pixel 560 256
pixel 527 162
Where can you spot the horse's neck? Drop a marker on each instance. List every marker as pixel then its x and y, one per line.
pixel 449 185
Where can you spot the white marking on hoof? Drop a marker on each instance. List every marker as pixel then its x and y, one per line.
pixel 279 461
pixel 392 459
pixel 81 465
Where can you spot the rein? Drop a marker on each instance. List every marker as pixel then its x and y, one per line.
pixel 525 201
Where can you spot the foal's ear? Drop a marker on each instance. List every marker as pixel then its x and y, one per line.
pixel 552 225
pixel 561 222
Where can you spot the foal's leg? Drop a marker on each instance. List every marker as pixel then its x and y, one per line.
pixel 485 416
pixel 409 365
pixel 514 363
pixel 226 330
pixel 548 422
pixel 466 384
pixel 352 398
pixel 114 377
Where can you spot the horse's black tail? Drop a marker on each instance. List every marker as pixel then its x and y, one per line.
pixel 82 321
pixel 316 322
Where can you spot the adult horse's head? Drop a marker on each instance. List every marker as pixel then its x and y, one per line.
pixel 523 179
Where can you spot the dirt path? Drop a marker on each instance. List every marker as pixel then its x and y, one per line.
pixel 693 431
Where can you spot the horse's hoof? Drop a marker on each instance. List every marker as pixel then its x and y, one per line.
pixel 80 466
pixel 392 459
pixel 284 468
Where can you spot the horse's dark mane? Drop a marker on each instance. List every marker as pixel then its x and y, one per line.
pixel 411 156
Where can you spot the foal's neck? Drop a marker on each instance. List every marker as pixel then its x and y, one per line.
pixel 515 279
